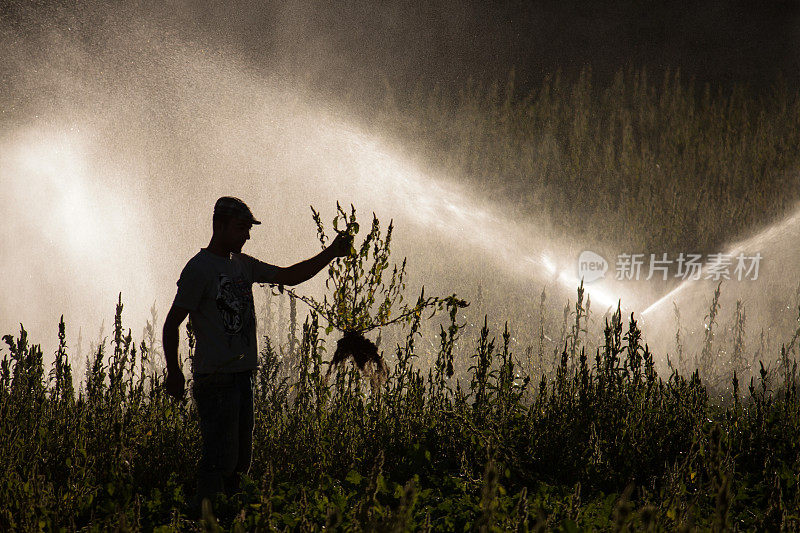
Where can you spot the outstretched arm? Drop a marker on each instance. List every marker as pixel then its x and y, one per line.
pixel 305 270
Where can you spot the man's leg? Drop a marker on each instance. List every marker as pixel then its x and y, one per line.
pixel 217 402
pixel 244 386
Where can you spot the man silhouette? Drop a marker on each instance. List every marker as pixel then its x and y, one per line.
pixel 215 290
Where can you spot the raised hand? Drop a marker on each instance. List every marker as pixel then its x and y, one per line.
pixel 342 245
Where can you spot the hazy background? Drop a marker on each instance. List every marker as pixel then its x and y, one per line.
pixel 121 125
pixel 449 42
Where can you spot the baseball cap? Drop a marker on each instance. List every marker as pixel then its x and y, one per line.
pixel 234 207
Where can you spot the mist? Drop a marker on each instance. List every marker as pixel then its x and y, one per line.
pixel 112 158
pixel 121 126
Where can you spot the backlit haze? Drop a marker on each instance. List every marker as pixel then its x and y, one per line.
pixel 111 207
pixel 114 149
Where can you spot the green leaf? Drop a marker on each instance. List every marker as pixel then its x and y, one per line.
pixel 354 477
pixel 570 526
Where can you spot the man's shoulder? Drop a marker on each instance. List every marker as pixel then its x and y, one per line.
pixel 248 258
pixel 259 271
pixel 198 263
pixel 241 256
pixel 254 263
pixel 192 283
pixel 196 259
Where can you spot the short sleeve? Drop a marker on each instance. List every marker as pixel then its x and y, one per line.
pixel 262 272
pixel 191 285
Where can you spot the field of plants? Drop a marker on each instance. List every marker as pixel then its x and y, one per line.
pixel 604 443
pixel 463 432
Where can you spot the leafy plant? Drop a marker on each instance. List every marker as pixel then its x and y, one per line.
pixel 367 291
pixel 365 296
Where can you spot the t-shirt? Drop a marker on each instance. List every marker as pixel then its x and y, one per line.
pixel 218 293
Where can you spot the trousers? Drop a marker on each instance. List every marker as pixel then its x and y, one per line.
pixel 225 408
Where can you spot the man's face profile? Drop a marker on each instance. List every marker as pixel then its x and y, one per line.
pixel 234 232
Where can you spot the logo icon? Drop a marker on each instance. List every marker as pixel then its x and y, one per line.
pixel 591 266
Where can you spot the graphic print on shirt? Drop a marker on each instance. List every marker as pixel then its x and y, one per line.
pixel 235 305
